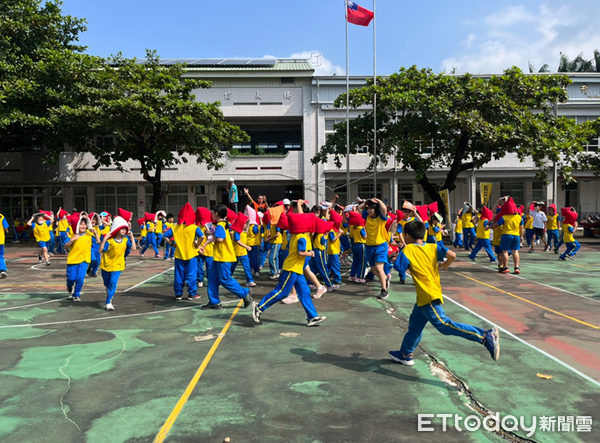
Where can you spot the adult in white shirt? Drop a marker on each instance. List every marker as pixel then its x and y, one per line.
pixel 539 225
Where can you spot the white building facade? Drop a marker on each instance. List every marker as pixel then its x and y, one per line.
pixel 288 113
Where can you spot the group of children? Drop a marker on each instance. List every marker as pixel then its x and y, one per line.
pixel 305 247
pixel 512 227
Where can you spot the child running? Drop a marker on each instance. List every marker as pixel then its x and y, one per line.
pixel 3 231
pixel 41 231
pixel 569 227
pixel 422 260
pixel 292 275
pixel 80 254
pixel 115 247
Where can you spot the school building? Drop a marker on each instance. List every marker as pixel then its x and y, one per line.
pixel 288 112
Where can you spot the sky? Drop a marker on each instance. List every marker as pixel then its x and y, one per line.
pixel 476 36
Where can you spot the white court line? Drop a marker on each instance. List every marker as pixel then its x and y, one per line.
pixel 535 282
pixel 148 279
pixel 87 320
pixel 49 301
pixel 18 259
pixel 576 371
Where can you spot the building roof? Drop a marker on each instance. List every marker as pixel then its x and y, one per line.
pixel 239 64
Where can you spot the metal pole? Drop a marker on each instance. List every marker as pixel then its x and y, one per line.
pixel 375 159
pixel 347 111
pixel 554 168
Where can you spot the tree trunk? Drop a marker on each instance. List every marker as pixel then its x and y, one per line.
pixel 433 194
pixel 156 182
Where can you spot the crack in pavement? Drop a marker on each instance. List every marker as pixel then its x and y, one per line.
pixel 108 359
pixel 62 405
pixel 447 376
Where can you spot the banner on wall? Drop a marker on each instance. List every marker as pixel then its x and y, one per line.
pixel 486 192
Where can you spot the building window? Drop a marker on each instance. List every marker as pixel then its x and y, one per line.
pixel 514 190
pixel 365 190
pixel 110 198
pixel 537 191
pixel 592 145
pixel 177 196
pixel 21 202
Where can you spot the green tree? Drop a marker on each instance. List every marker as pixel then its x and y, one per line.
pixel 579 63
pixel 41 67
pixel 437 122
pixel 152 112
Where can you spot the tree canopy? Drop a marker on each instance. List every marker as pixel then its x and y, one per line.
pixel 153 114
pixel 456 123
pixel 41 67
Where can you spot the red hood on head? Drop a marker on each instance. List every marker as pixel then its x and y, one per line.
pixel 301 223
pixel 149 217
pixel 570 215
pixel 336 219
pixel 141 221
pixel 186 215
pixel 62 213
pixel 520 209
pixel 75 219
pixel 508 208
pixel 433 208
pixel 553 206
pixel 355 219
pixel 423 212
pixel 322 226
pixel 486 213
pixel 231 215
pixel 267 218
pixel 283 222
pixel 239 223
pixel 391 218
pixel 203 216
pixel 125 215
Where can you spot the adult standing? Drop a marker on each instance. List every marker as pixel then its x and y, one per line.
pixel 261 203
pixel 233 195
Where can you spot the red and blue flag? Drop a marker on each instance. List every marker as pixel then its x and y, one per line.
pixel 357 15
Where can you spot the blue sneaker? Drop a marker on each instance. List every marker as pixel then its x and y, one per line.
pixel 397 356
pixel 491 341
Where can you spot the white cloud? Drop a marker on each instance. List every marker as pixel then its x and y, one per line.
pixel 325 67
pixel 517 35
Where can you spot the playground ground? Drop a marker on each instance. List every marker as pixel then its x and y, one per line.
pixel 72 372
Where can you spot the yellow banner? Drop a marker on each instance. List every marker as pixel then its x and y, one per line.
pixel 486 192
pixel 445 196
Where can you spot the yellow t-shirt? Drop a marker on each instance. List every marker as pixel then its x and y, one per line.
pixel 482 233
pixel 209 248
pixel 113 259
pixel 277 240
pixel 223 252
pixel 333 247
pixel 424 271
pixel 568 237
pixel 497 236
pixel 552 222
pixel 253 239
pixel 317 242
pixel 355 233
pixel 150 227
pixel 431 232
pixel 512 224
pixel 467 220
pixel 528 222
pixel 458 228
pixel 240 251
pixel 184 237
pixel 294 261
pixel 63 225
pixel 81 250
pixel 41 232
pixel 376 232
pixel 2 233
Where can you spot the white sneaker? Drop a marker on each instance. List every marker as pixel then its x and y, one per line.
pixel 320 291
pixel 360 280
pixel 250 284
pixel 312 287
pixel 351 278
pixel 315 320
pixel 3 274
pixel 257 274
pixel 200 284
pixel 332 288
pixel 109 307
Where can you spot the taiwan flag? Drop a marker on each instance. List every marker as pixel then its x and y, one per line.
pixel 357 15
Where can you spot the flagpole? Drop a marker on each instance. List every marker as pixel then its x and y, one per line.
pixel 347 110
pixel 375 160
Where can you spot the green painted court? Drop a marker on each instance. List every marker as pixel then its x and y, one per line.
pixel 72 372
